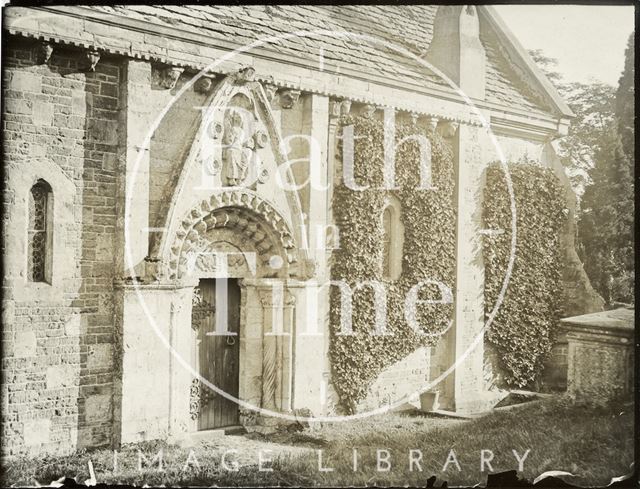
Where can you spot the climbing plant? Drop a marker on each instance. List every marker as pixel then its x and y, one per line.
pixel 428 217
pixel 523 329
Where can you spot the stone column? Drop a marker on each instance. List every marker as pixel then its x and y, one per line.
pixel 277 314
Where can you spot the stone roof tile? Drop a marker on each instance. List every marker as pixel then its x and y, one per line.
pixel 410 26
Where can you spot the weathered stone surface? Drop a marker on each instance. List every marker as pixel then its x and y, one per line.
pixel 55 325
pixel 36 432
pixel 25 81
pixel 98 408
pixel 600 355
pixel 100 356
pixel 25 344
pixel 61 376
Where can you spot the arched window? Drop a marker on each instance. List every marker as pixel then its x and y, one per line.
pixel 39 251
pixel 392 239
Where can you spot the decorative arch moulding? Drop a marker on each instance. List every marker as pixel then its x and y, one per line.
pixel 197 221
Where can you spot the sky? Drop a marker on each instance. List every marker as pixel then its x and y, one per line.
pixel 587 41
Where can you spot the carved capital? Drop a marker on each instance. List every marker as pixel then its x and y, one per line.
pixel 91 58
pixel 204 84
pixel 44 50
pixel 289 97
pixel 169 76
pixel 289 299
pixel 266 296
pixel 308 269
pixel 154 269
pixel 271 297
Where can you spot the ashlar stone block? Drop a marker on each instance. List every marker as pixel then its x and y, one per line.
pixel 100 356
pixel 36 432
pixel 61 376
pixel 25 344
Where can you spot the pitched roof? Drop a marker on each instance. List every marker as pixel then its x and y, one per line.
pixel 410 26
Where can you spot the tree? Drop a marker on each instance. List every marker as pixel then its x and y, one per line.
pixel 592 131
pixel 606 222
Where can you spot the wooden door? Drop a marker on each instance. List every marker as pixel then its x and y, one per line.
pixel 219 358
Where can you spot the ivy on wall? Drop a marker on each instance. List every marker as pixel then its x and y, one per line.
pixel 522 332
pixel 428 216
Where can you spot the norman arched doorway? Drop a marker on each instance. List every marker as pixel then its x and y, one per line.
pixel 237 256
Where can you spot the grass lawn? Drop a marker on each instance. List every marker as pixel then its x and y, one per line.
pixel 594 444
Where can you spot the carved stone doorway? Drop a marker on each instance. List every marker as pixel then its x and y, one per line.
pixel 218 350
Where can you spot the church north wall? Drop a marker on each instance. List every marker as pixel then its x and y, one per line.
pixel 78 129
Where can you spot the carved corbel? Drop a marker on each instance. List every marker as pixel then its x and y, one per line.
pixel 244 75
pixel 91 57
pixel 448 129
pixel 369 110
pixel 414 118
pixel 345 107
pixel 169 76
pixel 270 91
pixel 335 108
pixel 289 97
pixel 44 51
pixel 433 123
pixel 204 84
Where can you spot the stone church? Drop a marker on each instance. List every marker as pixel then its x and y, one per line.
pixel 118 208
